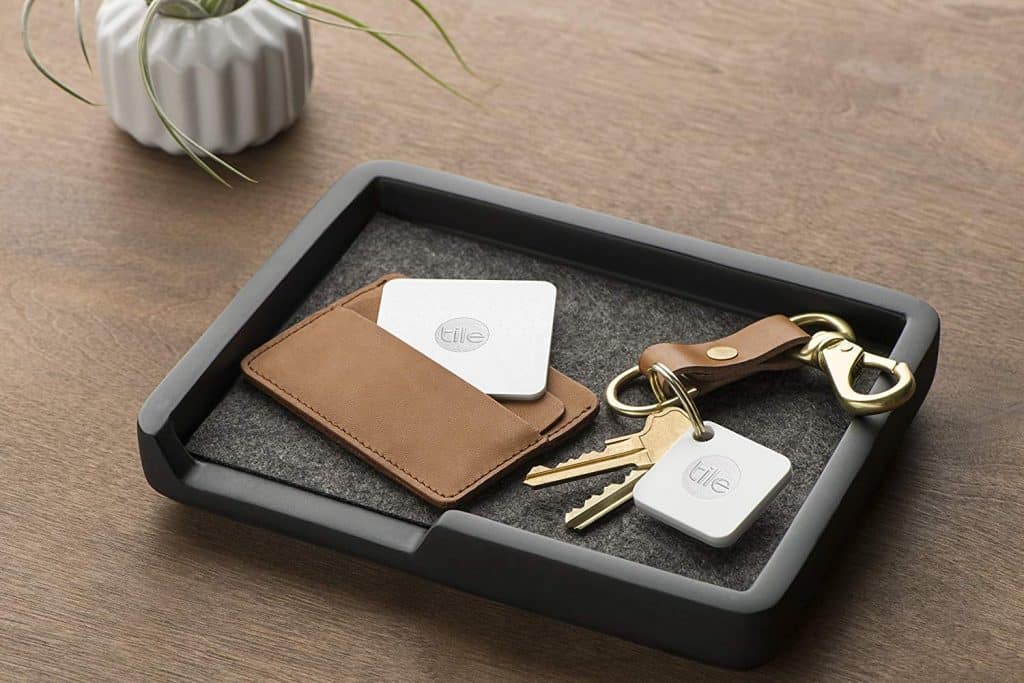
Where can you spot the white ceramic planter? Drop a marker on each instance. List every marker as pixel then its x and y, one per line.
pixel 229 82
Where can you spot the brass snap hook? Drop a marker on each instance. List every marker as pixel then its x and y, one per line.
pixel 833 321
pixel 837 354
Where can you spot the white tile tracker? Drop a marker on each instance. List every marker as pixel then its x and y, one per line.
pixel 494 334
pixel 712 490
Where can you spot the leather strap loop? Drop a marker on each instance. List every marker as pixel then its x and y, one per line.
pixel 762 345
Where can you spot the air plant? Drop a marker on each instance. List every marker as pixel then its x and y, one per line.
pixel 204 9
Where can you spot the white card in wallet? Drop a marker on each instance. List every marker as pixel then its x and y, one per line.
pixel 494 334
pixel 712 490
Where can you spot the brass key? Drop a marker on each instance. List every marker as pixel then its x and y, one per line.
pixel 598 505
pixel 641 450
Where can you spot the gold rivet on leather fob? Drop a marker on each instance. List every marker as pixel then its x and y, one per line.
pixel 722 353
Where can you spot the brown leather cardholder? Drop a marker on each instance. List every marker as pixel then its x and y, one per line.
pixel 403 413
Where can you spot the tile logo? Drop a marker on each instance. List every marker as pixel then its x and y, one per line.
pixel 461 335
pixel 711 476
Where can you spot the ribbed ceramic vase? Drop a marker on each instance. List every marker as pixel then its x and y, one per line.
pixel 229 82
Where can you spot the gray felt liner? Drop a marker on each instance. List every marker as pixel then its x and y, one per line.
pixel 601 325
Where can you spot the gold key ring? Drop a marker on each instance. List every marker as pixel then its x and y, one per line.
pixel 611 395
pixel 701 431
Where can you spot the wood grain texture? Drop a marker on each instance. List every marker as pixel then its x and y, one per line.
pixel 880 140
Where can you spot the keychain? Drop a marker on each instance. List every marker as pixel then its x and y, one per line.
pixel 699 477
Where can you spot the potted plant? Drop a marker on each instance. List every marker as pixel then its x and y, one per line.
pixel 211 77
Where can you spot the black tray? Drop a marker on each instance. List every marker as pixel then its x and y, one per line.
pixel 731 627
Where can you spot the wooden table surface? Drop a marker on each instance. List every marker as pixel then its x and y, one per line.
pixel 879 140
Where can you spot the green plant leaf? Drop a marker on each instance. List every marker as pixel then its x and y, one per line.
pixel 218 8
pixel 444 34
pixel 320 20
pixel 180 9
pixel 26 10
pixel 184 141
pixel 402 53
pixel 78 30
